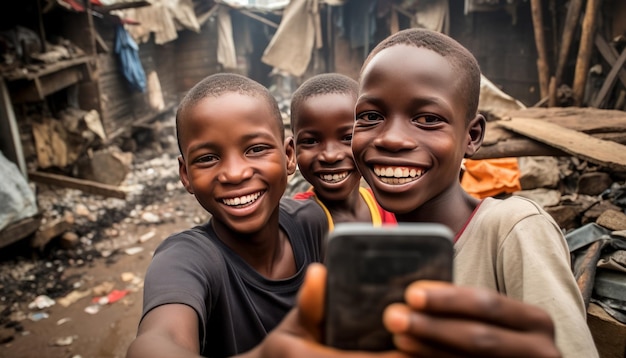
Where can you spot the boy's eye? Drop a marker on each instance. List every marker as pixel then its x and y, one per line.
pixel 257 149
pixel 307 141
pixel 427 119
pixel 347 138
pixel 209 158
pixel 369 116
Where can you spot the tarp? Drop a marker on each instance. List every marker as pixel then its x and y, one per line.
pixel 18 200
pixel 299 33
pixel 128 53
pixel 490 177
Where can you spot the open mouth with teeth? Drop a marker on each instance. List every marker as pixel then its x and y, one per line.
pixel 334 178
pixel 242 201
pixel 397 175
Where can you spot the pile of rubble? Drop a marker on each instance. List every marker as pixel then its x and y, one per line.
pixel 98 232
pixel 574 191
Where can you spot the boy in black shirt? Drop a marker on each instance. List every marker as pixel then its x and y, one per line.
pixel 219 288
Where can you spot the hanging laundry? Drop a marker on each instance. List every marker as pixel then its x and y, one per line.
pixel 128 52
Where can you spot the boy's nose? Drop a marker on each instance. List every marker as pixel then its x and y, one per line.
pixel 396 137
pixel 235 171
pixel 332 153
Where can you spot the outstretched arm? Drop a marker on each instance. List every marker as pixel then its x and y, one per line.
pixel 167 331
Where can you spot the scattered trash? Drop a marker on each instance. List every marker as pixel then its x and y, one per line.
pixel 127 276
pixel 103 288
pixel 72 297
pixel 147 236
pixel 93 309
pixel 63 321
pixel 133 250
pixel 112 297
pixel 65 341
pixel 150 217
pixel 17 316
pixel 41 302
pixel 37 316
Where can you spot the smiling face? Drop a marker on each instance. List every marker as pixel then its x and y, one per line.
pixel 234 160
pixel 323 134
pixel 411 131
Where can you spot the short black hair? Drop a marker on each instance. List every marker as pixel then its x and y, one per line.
pixel 218 84
pixel 325 83
pixel 457 55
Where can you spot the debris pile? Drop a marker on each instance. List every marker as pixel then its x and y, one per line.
pixel 99 231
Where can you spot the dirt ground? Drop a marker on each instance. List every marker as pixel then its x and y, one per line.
pixel 71 331
pixel 108 332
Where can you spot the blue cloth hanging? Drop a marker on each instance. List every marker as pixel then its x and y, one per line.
pixel 128 52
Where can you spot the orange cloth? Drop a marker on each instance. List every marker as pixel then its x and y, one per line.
pixel 489 177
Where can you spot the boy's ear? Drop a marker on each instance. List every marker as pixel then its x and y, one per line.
pixel 182 173
pixel 290 151
pixel 475 135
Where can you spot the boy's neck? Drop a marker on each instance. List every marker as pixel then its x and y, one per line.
pixel 452 210
pixel 269 251
pixel 352 209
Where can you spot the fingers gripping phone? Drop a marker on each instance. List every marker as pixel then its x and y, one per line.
pixel 369 268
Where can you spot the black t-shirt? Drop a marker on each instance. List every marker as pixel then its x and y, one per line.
pixel 236 306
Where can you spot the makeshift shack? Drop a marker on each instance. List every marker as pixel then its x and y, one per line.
pixel 83 81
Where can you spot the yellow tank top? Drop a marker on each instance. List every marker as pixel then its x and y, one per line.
pixel 369 200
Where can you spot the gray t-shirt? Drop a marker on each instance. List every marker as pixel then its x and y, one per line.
pixel 236 306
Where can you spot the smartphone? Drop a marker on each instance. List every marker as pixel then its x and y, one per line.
pixel 369 268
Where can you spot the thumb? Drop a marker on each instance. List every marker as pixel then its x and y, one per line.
pixel 311 299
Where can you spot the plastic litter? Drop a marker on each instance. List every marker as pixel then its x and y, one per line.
pixel 37 316
pixel 41 302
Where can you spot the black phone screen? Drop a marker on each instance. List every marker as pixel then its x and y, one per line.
pixel 369 268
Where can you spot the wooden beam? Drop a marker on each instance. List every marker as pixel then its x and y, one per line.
pixel 584 51
pixel 522 147
pixel 571 21
pixel 601 152
pixel 610 55
pixel 540 43
pixel 585 119
pixel 49 231
pixel 87 186
pixel 258 18
pixel 609 81
pixel 19 230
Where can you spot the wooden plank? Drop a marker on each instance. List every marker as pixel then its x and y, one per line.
pixel 122 5
pixel 610 55
pixel 597 151
pixel 587 120
pixel 522 147
pixel 19 230
pixel 584 51
pixel 540 43
pixel 609 81
pixel 49 231
pixel 87 186
pixel 37 88
pixel 48 69
pixel 571 20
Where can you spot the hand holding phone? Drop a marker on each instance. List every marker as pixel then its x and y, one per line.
pixel 369 268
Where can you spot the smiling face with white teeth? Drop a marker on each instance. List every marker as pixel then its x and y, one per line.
pixel 322 130
pixel 411 131
pixel 235 161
